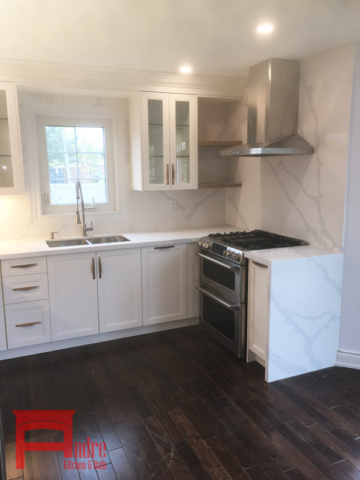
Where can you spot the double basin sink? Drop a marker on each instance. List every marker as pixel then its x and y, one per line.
pixel 74 242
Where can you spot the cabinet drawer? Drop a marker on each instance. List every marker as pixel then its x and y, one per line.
pixel 28 323
pixel 23 266
pixel 25 288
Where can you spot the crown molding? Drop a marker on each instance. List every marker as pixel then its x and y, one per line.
pixel 111 80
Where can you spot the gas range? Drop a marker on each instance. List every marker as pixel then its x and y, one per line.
pixel 233 245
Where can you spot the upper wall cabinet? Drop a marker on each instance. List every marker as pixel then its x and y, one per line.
pixel 11 169
pixel 164 141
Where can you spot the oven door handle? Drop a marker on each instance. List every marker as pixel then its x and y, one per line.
pixel 231 306
pixel 233 268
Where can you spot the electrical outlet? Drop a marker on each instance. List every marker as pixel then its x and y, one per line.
pixel 173 206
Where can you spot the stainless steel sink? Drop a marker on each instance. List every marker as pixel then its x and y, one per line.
pixel 108 239
pixel 67 243
pixel 74 242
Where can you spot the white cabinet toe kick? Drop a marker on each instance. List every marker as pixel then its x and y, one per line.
pixel 61 301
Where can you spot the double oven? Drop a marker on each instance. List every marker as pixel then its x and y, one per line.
pixel 223 300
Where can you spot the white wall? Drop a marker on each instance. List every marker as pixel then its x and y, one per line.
pixel 303 196
pixel 142 211
pixel 349 345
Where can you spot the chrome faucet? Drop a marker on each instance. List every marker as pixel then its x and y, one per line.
pixel 79 196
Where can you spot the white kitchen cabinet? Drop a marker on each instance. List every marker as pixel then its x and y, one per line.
pixel 258 312
pixel 23 266
pixel 3 345
pixel 73 295
pixel 155 141
pixel 165 125
pixel 25 288
pixel 183 142
pixel 164 282
pixel 193 268
pixel 119 289
pixel 28 323
pixel 11 165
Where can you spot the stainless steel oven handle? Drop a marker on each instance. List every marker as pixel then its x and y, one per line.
pixel 217 299
pixel 233 268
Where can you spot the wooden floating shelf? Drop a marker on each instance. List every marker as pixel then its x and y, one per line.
pixel 220 185
pixel 220 143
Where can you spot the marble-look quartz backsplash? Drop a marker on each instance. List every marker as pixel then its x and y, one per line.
pixel 140 211
pixel 303 196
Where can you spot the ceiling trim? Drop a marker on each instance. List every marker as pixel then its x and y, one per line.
pixel 54 75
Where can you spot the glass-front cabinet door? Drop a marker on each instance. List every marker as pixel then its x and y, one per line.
pixel 11 171
pixel 183 141
pixel 155 117
pixel 169 124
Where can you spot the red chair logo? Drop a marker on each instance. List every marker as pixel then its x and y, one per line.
pixel 26 420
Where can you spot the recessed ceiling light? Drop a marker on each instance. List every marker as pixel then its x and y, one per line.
pixel 185 69
pixel 266 28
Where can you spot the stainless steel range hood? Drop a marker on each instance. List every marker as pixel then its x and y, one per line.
pixel 273 103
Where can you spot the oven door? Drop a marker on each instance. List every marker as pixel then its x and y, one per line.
pixel 223 319
pixel 223 276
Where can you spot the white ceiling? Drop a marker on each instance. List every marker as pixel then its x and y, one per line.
pixel 215 37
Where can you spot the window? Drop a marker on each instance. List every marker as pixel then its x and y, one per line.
pixel 70 151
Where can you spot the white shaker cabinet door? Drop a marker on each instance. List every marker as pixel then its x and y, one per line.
pixel 73 295
pixel 2 322
pixel 28 323
pixel 193 280
pixel 258 310
pixel 119 287
pixel 164 275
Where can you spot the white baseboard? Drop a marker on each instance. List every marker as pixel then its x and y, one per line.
pixel 348 359
pixel 102 337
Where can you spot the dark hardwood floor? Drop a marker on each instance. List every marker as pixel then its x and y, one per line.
pixel 176 405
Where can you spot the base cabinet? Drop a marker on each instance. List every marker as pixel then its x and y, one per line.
pixel 3 345
pixel 164 278
pixel 28 323
pixel 193 274
pixel 88 293
pixel 73 295
pixel 258 311
pixel 119 289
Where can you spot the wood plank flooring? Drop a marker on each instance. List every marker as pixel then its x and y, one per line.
pixel 176 405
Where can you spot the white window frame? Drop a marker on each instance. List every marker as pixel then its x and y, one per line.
pixel 68 121
pixel 60 106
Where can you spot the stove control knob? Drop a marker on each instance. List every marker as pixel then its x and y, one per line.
pixel 224 253
pixel 238 257
pixel 232 255
pixel 205 244
pixel 200 243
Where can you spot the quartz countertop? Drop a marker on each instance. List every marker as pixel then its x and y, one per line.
pixel 37 247
pixel 272 255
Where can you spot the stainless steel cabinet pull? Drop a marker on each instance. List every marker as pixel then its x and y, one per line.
pixel 234 306
pixel 167 174
pixel 23 289
pixel 28 324
pixel 259 265
pixel 164 247
pixel 25 266
pixel 93 267
pixel 100 267
pixel 173 174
